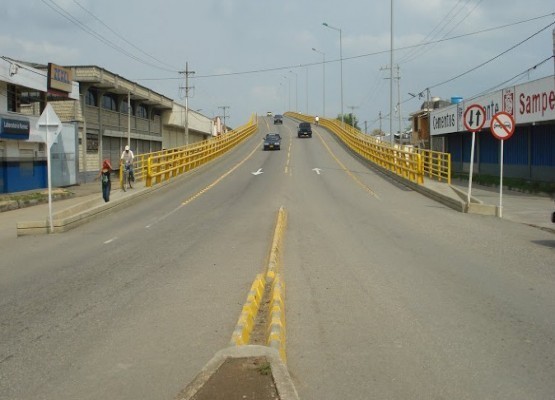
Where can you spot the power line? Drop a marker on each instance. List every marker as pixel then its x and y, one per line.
pixel 274 69
pixel 492 59
pixel 416 55
pixel 60 10
pixel 121 37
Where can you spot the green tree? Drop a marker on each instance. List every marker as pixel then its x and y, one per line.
pixel 350 119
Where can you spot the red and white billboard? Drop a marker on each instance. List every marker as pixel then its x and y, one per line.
pixel 535 101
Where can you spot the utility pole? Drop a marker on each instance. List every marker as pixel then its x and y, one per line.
pixel 224 108
pixel 187 88
pixel 366 127
pixel 399 104
pixel 380 117
pixel 129 120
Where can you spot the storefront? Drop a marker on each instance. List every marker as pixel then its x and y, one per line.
pixel 530 152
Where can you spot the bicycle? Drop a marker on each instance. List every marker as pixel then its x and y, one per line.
pixel 126 181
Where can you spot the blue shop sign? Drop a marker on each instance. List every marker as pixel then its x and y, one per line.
pixel 14 129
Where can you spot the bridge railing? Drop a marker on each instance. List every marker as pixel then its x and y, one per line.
pixel 163 165
pixel 405 163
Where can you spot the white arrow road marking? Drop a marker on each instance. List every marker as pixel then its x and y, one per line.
pixel 317 170
pixel 257 172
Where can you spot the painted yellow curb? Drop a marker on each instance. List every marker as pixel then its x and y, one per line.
pixel 243 329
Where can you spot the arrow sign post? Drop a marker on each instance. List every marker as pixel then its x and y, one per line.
pixel 474 119
pixel 502 127
pixel 49 122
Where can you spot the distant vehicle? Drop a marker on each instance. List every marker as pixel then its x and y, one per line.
pixel 269 114
pixel 272 141
pixel 304 130
pixel 278 119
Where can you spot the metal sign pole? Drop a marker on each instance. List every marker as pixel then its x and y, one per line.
pixel 49 173
pixel 471 169
pixel 501 184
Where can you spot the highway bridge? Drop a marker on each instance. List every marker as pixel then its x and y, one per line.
pixel 389 293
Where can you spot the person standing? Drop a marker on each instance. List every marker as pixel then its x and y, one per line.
pixel 104 174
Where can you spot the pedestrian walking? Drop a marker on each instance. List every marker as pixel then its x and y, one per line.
pixel 104 174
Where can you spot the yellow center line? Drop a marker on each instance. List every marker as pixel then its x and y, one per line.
pixel 207 188
pixel 344 168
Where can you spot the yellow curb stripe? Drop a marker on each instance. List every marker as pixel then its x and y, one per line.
pixel 276 318
pixel 275 251
pixel 245 324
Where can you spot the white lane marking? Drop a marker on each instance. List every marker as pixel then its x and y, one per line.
pixel 110 240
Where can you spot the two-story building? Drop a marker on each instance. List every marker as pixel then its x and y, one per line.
pixel 105 112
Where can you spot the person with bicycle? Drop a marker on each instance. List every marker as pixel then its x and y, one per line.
pixel 127 160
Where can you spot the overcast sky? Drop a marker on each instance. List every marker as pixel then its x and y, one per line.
pixel 254 56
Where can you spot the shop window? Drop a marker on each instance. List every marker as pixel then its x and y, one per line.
pixel 109 102
pixel 142 112
pixel 90 98
pixel 92 143
pixel 14 99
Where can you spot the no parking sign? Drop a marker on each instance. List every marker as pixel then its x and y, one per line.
pixel 502 125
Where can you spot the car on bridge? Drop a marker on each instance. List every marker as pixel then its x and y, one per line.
pixel 272 141
pixel 304 130
pixel 278 119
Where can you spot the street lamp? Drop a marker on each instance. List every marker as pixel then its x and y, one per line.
pixel 340 62
pixel 296 88
pixel 323 80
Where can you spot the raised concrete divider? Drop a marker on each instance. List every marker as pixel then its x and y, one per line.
pixel 284 385
pixel 85 211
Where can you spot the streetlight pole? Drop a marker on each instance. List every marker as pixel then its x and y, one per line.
pixel 296 89
pixel 340 62
pixel 323 80
pixel 391 81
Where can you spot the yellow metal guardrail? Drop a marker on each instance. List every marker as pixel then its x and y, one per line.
pixel 407 164
pixel 437 165
pixel 163 165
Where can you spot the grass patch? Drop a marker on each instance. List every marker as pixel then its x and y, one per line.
pixel 521 185
pixel 265 369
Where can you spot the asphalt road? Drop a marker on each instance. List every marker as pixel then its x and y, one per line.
pixel 389 295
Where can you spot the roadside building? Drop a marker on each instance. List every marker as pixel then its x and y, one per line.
pixel 101 113
pixel 24 93
pixel 529 154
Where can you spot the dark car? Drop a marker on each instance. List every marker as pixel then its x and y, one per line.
pixel 304 130
pixel 272 141
pixel 278 119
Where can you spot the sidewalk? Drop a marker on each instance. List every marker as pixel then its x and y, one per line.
pixel 525 208
pixel 87 196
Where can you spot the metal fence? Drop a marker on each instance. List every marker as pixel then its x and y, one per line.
pixel 405 163
pixel 159 166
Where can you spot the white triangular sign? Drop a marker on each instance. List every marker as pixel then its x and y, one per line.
pixel 50 124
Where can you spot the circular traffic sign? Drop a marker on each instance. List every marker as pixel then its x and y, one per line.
pixel 502 125
pixel 474 118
